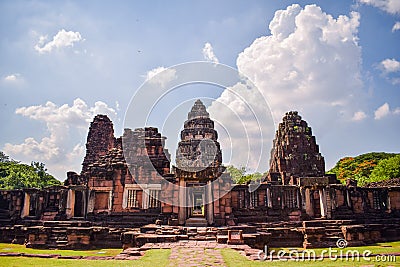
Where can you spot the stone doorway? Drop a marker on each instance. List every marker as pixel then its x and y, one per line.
pixel 4 204
pixel 196 198
pixel 316 204
pixel 197 209
pixel 79 204
pixel 32 205
pixel 198 204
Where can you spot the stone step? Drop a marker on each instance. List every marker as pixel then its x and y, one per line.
pixel 196 222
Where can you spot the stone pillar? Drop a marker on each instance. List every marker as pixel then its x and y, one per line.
pixel 182 202
pixel 322 202
pixel 84 200
pixel 110 200
pixel 210 206
pixel 269 202
pixel 145 199
pixel 27 202
pixel 92 199
pixel 389 206
pixel 298 198
pixel 348 198
pixel 309 206
pixel 69 211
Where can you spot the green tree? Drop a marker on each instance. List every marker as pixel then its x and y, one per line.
pixel 236 173
pixel 15 175
pixel 359 167
pixel 386 169
pixel 239 175
pixel 4 157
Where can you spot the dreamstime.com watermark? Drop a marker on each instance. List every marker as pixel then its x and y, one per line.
pixel 333 254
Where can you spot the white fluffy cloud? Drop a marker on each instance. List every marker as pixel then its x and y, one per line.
pixel 310 62
pixel 310 59
pixel 390 68
pixel 359 116
pixel 161 76
pixel 396 26
pixel 56 149
pixel 62 39
pixel 208 53
pixel 13 78
pixel 382 111
pixel 390 65
pixel 390 6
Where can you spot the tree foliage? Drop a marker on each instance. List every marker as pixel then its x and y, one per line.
pixel 15 175
pixel 386 169
pixel 239 175
pixel 4 157
pixel 360 167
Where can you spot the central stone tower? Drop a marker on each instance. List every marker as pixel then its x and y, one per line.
pixel 198 163
pixel 198 151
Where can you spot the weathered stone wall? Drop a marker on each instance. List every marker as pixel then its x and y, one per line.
pixel 111 176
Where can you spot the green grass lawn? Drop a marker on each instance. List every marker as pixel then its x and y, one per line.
pixel 233 258
pixel 159 257
pixel 5 247
pixel 152 258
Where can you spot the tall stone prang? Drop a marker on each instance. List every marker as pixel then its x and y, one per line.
pixel 99 141
pixel 295 152
pixel 199 150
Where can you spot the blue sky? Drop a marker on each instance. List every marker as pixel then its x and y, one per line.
pixel 337 62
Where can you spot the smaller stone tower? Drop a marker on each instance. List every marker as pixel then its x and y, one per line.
pixel 99 141
pixel 295 152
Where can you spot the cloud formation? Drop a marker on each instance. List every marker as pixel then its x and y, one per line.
pixel 396 26
pixel 390 6
pixel 208 53
pixel 161 76
pixel 390 65
pixel 390 68
pixel 359 116
pixel 11 78
pixel 382 111
pixel 310 61
pixel 61 122
pixel 62 39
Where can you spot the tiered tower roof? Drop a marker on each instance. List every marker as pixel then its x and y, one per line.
pixel 295 152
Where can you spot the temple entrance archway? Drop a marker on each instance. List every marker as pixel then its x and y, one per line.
pixel 196 198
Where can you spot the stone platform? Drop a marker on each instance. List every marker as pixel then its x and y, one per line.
pixel 306 234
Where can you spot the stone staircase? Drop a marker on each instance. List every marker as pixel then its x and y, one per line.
pixel 5 217
pixel 57 238
pixel 163 233
pixel 323 233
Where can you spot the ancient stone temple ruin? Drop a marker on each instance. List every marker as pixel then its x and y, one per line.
pixel 128 182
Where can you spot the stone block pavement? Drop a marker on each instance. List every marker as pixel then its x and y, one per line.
pixel 189 253
pixel 194 253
